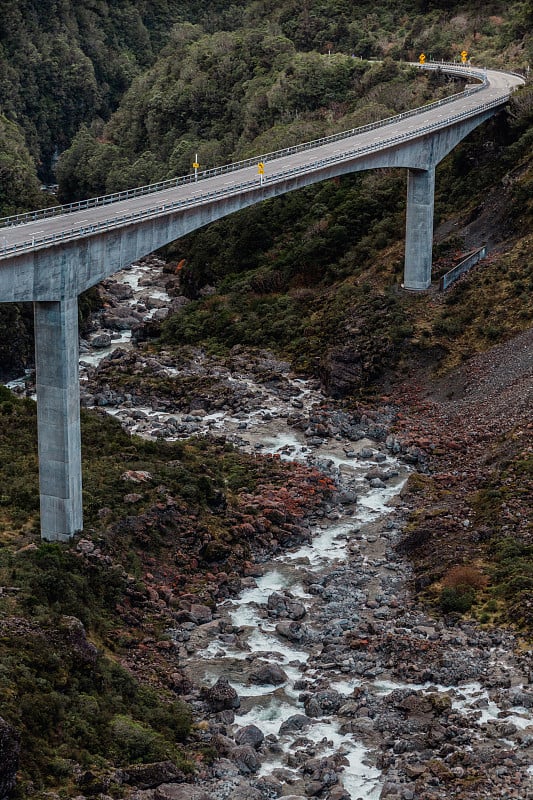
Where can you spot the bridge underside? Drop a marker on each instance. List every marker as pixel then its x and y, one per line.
pixel 54 277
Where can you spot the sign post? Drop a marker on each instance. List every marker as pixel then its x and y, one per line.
pixel 195 167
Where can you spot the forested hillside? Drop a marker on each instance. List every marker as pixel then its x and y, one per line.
pixel 127 94
pixel 66 65
pixel 99 95
pixel 63 64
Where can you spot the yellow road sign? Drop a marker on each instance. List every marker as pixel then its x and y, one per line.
pixel 261 168
pixel 422 58
pixel 464 56
pixel 195 165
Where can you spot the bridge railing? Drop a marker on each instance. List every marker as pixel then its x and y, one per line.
pixel 116 222
pixel 127 194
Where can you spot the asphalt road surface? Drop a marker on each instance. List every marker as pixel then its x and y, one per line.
pixel 30 235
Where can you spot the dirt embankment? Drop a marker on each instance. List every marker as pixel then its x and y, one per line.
pixel 487 397
pixel 474 431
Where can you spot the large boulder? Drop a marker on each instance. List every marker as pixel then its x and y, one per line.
pixel 221 695
pixel 100 340
pixel 280 605
pixel 245 793
pixel 292 631
pixel 245 758
pixel 324 702
pixel 251 735
pixel 267 675
pixel 174 791
pixel 148 776
pixel 341 371
pixel 298 722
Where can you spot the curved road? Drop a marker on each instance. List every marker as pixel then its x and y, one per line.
pixel 118 210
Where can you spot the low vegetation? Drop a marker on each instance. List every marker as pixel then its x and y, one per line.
pixel 73 615
pixel 124 94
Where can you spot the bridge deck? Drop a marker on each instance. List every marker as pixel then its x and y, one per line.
pixel 42 232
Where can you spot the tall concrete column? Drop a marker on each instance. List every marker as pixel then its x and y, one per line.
pixel 58 418
pixel 419 228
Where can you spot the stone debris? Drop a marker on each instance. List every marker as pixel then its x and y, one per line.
pixel 441 707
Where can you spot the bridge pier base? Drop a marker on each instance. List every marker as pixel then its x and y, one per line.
pixel 58 418
pixel 419 228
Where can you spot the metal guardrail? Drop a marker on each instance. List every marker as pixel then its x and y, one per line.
pixel 171 183
pixel 453 274
pixel 116 222
pixel 274 178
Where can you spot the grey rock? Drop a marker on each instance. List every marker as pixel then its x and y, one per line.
pixel 246 759
pixel 280 605
pixel 119 290
pixel 250 735
pixel 327 701
pixel 222 695
pixel 292 631
pixel 101 340
pixel 267 675
pixel 297 722
pixel 339 793
pixel 245 793
pixel 174 791
pixel 342 371
pixel 365 452
pixel 149 776
pixel 200 613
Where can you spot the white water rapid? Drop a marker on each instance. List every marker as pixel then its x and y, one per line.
pixel 352 540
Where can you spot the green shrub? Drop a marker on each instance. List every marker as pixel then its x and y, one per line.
pixel 59 581
pixel 457 598
pixel 133 742
pixel 448 326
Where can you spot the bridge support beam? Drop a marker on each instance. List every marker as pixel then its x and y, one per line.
pixel 58 418
pixel 419 228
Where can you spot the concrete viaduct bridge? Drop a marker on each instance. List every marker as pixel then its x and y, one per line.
pixel 51 256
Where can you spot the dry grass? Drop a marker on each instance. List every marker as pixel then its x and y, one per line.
pixel 464 575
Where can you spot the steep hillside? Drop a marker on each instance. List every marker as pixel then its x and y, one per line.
pixel 320 270
pixel 90 678
pixel 63 64
pixel 92 689
pixel 228 95
pixel 469 532
pixel 253 79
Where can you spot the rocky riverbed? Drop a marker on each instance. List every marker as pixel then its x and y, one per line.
pixel 322 677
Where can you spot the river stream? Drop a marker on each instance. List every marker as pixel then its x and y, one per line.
pixel 347 580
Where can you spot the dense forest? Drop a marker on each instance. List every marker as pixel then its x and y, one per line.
pixel 100 95
pixel 149 82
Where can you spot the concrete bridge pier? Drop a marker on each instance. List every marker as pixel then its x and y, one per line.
pixel 419 228
pixel 58 418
